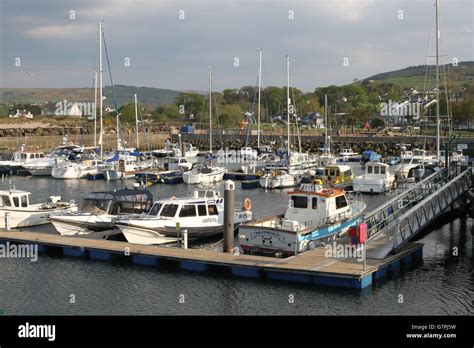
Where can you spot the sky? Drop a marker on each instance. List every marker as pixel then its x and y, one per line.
pixel 172 44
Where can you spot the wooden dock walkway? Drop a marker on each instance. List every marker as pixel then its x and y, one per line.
pixel 309 267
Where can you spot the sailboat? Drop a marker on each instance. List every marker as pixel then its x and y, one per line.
pixel 201 173
pixel 128 164
pixel 288 172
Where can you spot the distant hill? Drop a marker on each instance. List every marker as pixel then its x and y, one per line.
pixel 124 95
pixel 415 76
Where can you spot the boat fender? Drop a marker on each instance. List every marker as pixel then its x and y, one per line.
pixel 247 204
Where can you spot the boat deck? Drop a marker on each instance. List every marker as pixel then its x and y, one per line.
pixel 309 267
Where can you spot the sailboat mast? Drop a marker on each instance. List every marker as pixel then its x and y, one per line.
pixel 210 111
pixel 136 119
pixel 101 138
pixel 259 92
pixel 326 125
pixel 94 112
pixel 288 103
pixel 438 149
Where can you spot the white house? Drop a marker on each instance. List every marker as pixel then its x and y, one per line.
pixel 22 113
pixel 74 110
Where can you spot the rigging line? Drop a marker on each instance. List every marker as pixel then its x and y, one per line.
pixel 428 66
pixel 142 121
pixel 119 131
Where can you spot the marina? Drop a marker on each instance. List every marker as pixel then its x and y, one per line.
pixel 159 163
pixel 388 248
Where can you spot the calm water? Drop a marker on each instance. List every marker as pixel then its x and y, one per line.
pixel 443 284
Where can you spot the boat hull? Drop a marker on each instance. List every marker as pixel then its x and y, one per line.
pixel 260 239
pixel 74 225
pixel 28 218
pixel 200 178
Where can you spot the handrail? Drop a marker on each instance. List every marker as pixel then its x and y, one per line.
pixel 425 212
pixel 384 215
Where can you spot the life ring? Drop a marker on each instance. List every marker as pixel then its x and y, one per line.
pixel 247 204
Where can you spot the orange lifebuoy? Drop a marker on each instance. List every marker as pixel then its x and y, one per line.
pixel 247 204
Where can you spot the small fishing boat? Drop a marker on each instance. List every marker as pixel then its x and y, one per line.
pixel 201 173
pixel 99 208
pixel 376 179
pixel 346 154
pixel 202 215
pixel 24 214
pixel 315 215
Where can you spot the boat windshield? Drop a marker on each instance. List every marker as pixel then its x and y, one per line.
pixel 97 206
pixel 406 160
pixel 169 210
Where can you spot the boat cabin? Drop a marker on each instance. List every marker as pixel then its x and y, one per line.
pixel 376 169
pixel 312 204
pixel 337 174
pixel 347 152
pixel 14 199
pixel 204 203
pixel 117 202
pixel 21 156
pixel 175 163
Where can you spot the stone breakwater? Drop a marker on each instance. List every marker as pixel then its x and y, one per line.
pixel 384 145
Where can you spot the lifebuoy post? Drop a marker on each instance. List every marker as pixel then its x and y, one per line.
pixel 229 196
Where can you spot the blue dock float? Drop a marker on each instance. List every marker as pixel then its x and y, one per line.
pixel 145 260
pixel 102 255
pixel 193 266
pixel 74 252
pixel 246 272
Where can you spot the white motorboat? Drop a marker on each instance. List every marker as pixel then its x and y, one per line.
pixel 77 170
pixel 412 159
pixel 200 173
pixel 170 149
pixel 277 179
pixel 347 154
pixel 100 208
pixel 201 215
pixel 44 166
pixel 24 155
pixel 315 215
pixel 376 179
pixel 190 151
pixel 15 206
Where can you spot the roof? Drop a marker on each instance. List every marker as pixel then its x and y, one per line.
pixel 341 167
pixel 123 195
pixel 379 164
pixel 325 192
pixel 15 192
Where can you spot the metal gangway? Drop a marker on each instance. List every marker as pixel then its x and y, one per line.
pixel 397 221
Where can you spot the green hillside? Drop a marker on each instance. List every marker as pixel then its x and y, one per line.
pixel 423 76
pixel 124 94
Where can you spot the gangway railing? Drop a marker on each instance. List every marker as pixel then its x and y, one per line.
pixel 378 219
pixel 421 214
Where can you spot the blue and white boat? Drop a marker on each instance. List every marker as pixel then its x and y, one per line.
pixel 315 216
